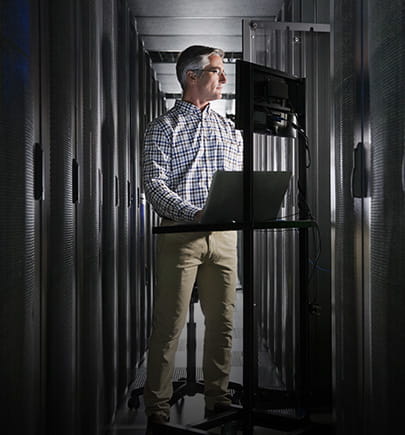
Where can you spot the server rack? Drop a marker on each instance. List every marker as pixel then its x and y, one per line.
pixel 143 95
pixel 70 188
pixel 89 213
pixel 368 224
pixel 110 205
pixel 124 200
pixel 136 266
pixel 61 233
pixel 300 49
pixel 149 115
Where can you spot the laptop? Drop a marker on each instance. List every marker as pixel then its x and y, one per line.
pixel 225 198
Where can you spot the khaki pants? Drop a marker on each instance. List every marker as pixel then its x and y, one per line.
pixel 210 259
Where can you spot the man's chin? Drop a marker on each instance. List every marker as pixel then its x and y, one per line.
pixel 216 96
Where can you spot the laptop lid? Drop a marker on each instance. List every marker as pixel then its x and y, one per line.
pixel 225 199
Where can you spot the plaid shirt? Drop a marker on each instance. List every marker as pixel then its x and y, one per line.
pixel 183 149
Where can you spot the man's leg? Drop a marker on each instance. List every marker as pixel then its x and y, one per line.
pixel 217 292
pixel 178 258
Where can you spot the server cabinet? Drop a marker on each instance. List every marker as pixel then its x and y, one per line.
pixel 110 205
pixel 124 225
pixel 150 104
pixel 89 300
pixel 300 49
pixel 74 237
pixel 385 335
pixel 149 213
pixel 21 157
pixel 135 210
pixel 345 218
pixel 144 119
pixel 368 65
pixel 60 208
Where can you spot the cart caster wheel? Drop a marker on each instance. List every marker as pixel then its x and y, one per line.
pixel 134 402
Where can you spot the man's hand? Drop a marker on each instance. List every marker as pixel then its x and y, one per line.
pixel 198 216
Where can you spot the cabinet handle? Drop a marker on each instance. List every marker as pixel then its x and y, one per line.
pixel 359 182
pixel 100 187
pixel 129 193
pixel 75 181
pixel 38 172
pixel 117 191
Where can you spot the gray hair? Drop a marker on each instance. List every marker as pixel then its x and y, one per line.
pixel 194 58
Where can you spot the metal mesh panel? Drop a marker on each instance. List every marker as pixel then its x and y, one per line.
pixel 135 263
pixel 61 234
pixel 19 221
pixel 123 211
pixel 142 202
pixel 347 293
pixel 275 282
pixel 90 361
pixel 387 223
pixel 110 198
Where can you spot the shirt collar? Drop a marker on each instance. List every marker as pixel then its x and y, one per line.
pixel 191 109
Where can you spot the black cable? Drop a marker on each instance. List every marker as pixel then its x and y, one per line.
pixel 304 207
pixel 301 131
pixel 288 216
pixel 316 234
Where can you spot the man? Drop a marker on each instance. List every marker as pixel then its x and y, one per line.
pixel 183 149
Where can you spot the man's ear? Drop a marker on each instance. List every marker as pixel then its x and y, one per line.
pixel 192 75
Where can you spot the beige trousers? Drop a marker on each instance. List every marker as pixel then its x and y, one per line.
pixel 210 259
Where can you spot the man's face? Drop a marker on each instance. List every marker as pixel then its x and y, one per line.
pixel 212 79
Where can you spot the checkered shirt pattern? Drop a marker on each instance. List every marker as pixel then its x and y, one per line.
pixel 182 150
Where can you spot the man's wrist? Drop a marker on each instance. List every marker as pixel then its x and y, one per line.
pixel 198 216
